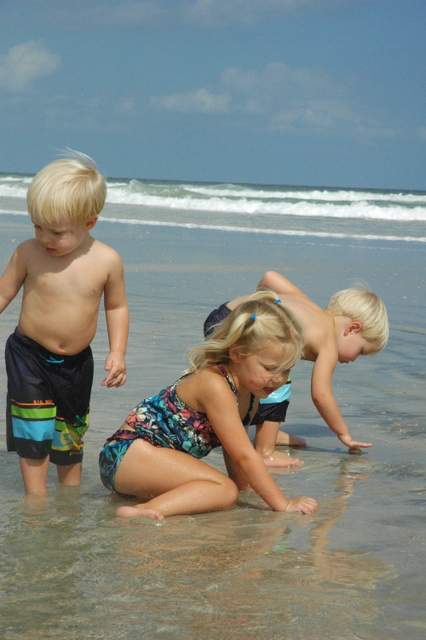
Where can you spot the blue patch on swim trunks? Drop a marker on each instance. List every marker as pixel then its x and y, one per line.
pixel 53 360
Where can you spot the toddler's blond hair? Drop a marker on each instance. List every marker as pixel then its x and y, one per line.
pixel 68 190
pixel 365 307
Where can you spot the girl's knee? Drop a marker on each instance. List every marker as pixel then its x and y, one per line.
pixel 231 493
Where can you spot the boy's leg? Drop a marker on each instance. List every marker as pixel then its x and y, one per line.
pixel 286 440
pixel 70 474
pixel 36 379
pixel 264 443
pixel 73 385
pixel 34 474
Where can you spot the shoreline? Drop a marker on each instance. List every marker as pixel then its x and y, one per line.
pixel 355 548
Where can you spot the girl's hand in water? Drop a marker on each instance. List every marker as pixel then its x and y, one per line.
pixel 303 504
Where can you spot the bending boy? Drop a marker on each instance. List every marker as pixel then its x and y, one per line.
pixel 64 273
pixel 354 324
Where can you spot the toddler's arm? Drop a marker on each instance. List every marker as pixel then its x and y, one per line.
pixel 326 403
pixel 276 282
pixel 117 319
pixel 12 279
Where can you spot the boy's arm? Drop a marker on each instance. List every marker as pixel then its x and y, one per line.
pixel 325 402
pixel 117 320
pixel 12 279
pixel 275 281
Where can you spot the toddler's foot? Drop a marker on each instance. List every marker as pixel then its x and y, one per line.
pixel 139 512
pixel 277 459
pixel 285 440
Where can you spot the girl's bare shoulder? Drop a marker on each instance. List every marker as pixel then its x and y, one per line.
pixel 202 387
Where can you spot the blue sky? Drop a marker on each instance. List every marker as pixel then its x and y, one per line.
pixel 299 92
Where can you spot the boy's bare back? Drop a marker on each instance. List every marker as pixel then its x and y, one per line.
pixel 318 323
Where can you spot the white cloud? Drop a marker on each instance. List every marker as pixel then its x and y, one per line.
pixel 422 133
pixel 24 64
pixel 126 107
pixel 314 115
pixel 310 100
pixel 198 14
pixel 225 13
pixel 288 97
pixel 200 101
pixel 131 14
pixel 277 82
pixel 281 98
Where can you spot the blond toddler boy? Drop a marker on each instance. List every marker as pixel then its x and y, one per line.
pixel 355 323
pixel 64 273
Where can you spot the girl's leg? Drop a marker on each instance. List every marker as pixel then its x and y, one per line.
pixel 171 482
pixel 265 442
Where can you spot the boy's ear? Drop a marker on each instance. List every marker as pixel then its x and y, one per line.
pixel 353 327
pixel 90 223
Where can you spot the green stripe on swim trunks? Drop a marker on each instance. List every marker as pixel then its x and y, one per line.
pixel 63 425
pixel 33 413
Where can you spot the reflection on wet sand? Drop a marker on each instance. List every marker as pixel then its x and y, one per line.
pixel 222 575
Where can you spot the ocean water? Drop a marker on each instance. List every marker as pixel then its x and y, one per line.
pixel 355 569
pixel 250 208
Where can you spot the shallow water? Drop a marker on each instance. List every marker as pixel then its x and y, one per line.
pixel 355 569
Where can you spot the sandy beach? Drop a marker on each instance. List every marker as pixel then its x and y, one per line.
pixel 355 569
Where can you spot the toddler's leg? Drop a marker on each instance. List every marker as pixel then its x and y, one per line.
pixel 69 474
pixel 286 440
pixel 34 474
pixel 265 442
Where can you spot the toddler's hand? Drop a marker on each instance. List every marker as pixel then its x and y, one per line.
pixel 348 441
pixel 303 504
pixel 116 367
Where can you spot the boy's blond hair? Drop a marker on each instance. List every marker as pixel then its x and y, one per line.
pixel 69 190
pixel 365 307
pixel 252 326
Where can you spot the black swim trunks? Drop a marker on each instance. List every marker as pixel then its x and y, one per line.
pixel 48 404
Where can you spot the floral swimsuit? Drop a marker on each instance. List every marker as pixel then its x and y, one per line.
pixel 165 421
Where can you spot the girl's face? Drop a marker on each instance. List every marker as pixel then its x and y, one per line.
pixel 62 238
pixel 261 373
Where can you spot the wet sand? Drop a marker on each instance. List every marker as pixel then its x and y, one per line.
pixel 355 569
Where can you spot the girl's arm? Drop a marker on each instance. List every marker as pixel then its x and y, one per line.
pixel 235 473
pixel 117 319
pixel 324 400
pixel 220 405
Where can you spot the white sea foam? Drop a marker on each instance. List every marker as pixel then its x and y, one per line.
pixel 248 205
pixel 275 232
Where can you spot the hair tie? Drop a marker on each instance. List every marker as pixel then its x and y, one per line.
pixel 253 316
pixel 278 301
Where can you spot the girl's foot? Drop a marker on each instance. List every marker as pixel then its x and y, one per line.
pixel 139 512
pixel 285 440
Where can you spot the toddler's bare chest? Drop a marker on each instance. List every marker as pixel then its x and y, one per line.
pixel 67 283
